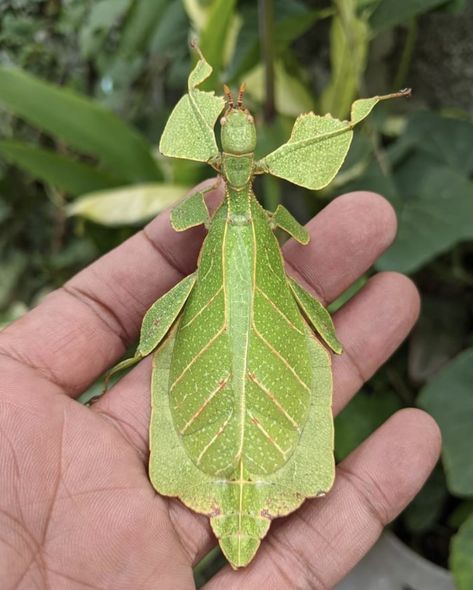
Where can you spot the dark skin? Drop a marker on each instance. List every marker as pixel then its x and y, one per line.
pixel 77 510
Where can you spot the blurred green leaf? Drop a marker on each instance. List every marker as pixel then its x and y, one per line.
pixel 444 139
pixel 435 211
pixel 463 511
pixel 11 269
pixel 198 12
pixel 213 38
pixel 100 20
pixel 128 205
pixel 291 96
pixel 140 25
pixel 438 336
pixel 425 509
pixel 171 30
pixel 14 311
pixel 80 122
pixel 56 169
pixel 292 20
pixel 348 51
pixel 390 13
pixel 461 551
pixel 448 397
pixel 360 418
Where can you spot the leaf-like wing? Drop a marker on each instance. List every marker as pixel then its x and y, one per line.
pixel 318 146
pixel 189 132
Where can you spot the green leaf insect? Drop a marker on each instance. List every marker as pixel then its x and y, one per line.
pixel 241 427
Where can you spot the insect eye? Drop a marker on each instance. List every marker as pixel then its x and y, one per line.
pixel 223 120
pixel 250 118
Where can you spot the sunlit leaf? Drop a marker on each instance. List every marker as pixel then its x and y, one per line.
pixel 128 205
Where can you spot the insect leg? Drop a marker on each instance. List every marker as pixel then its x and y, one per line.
pixel 157 322
pixel 283 219
pixel 192 211
pixel 317 316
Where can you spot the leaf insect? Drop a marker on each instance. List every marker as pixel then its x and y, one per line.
pixel 241 427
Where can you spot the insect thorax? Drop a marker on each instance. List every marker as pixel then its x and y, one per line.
pixel 237 169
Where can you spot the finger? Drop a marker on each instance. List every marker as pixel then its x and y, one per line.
pixel 372 325
pixel 347 237
pixel 81 329
pixel 323 540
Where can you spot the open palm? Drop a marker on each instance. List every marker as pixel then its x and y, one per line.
pixel 77 510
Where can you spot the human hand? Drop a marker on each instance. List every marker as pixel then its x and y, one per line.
pixel 77 510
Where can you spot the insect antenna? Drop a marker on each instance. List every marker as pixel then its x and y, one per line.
pixel 228 95
pixel 240 95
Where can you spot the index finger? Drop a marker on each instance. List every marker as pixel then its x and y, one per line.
pixel 79 330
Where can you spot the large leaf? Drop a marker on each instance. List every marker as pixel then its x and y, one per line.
pixel 435 211
pixel 461 562
pixel 56 169
pixel 128 205
pixel 79 122
pixel 448 397
pixel 443 139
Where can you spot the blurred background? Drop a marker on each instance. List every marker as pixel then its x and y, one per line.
pixel 85 89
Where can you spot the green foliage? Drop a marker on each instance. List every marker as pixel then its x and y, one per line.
pixel 428 183
pixel 79 122
pixel 361 417
pixel 449 398
pixel 58 170
pixel 460 560
pixel 128 205
pixel 389 13
pixel 113 71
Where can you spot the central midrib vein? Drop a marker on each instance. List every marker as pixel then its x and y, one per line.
pixel 239 288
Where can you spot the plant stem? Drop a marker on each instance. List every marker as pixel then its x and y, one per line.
pixel 266 20
pixel 407 53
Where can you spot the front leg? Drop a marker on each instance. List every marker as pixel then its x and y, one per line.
pixel 283 219
pixel 192 211
pixel 156 323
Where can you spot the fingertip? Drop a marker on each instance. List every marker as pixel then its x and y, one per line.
pixel 382 218
pixel 424 431
pixel 403 293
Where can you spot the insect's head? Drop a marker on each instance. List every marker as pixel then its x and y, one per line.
pixel 238 131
